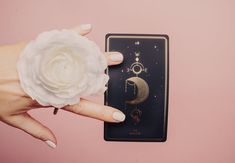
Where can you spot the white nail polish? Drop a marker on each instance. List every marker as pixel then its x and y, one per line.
pixel 119 116
pixel 116 57
pixel 85 27
pixel 50 144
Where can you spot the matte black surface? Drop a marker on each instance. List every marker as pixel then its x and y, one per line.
pixel 146 121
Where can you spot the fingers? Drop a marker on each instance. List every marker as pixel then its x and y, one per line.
pixel 31 126
pixel 97 111
pixel 113 58
pixel 83 29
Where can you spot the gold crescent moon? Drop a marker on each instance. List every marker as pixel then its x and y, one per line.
pixel 143 90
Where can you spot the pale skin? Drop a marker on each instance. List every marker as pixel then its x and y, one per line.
pixel 15 103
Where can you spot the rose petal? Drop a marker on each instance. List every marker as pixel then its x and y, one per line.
pixel 59 67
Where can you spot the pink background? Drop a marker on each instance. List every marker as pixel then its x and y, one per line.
pixel 202 80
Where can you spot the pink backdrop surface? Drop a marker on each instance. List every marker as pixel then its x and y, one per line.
pixel 201 124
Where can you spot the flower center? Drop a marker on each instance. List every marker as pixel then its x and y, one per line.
pixel 64 68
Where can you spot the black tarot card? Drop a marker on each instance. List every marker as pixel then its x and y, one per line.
pixel 138 87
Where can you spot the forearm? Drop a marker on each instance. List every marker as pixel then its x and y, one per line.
pixel 9 55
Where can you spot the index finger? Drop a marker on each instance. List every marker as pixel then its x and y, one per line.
pixel 97 111
pixel 83 29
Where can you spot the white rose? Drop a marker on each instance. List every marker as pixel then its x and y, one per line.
pixel 59 67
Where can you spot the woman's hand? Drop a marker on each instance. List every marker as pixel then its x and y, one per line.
pixel 15 104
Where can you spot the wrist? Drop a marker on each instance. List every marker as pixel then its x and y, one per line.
pixel 9 80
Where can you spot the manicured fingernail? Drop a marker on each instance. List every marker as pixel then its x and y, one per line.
pixel 116 57
pixel 50 144
pixel 86 27
pixel 119 116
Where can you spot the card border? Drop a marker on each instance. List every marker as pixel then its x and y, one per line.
pixel 166 37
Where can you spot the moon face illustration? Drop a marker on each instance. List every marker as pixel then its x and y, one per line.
pixel 143 90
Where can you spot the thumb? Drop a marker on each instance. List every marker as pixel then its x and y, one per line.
pixel 33 127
